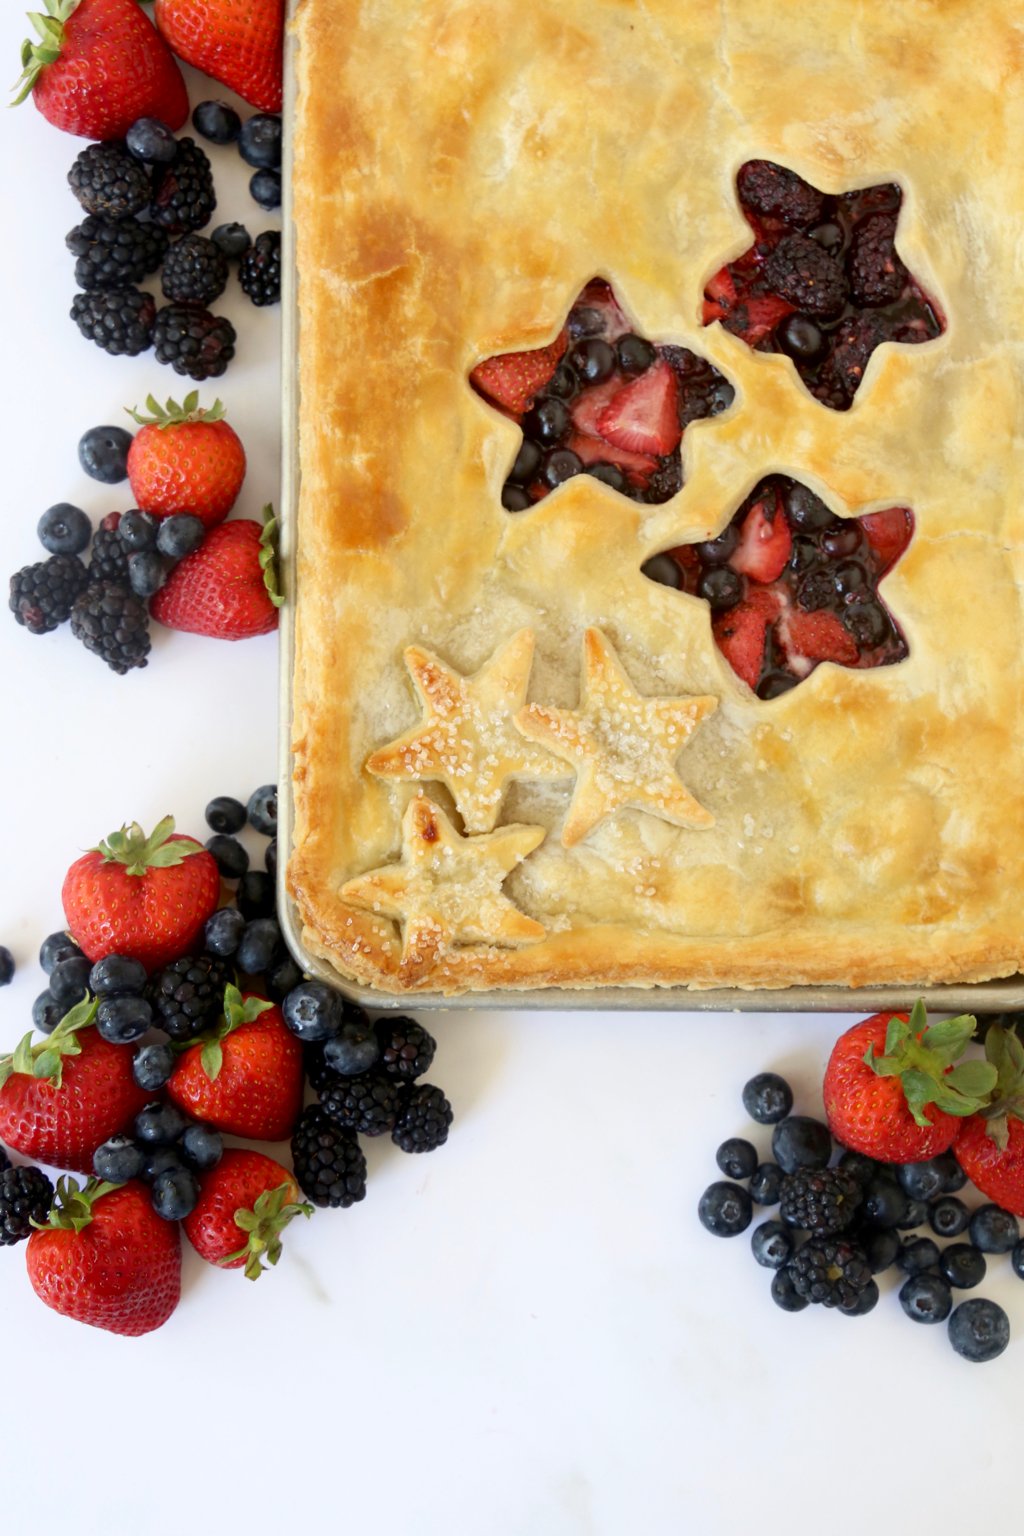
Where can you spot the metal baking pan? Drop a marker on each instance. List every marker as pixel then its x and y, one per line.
pixel 976 997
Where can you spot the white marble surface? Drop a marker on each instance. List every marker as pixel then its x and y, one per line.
pixel 525 1334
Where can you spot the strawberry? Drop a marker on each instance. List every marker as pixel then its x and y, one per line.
pixel 100 64
pixel 591 403
pixel 186 460
pixel 106 1258
pixel 511 379
pixel 990 1145
pixel 643 416
pixel 719 295
pixel 638 467
pixel 765 541
pixel 817 636
pixel 227 587
pixel 741 632
pixel 238 42
pixel 888 532
pixel 244 1205
pixel 892 1091
pixel 61 1098
pixel 145 897
pixel 246 1075
pixel 754 318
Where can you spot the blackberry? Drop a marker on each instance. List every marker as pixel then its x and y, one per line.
pixel 665 482
pixel 368 1103
pixel 187 996
pixel 114 253
pixel 821 1201
pixel 423 1120
pixel 26 1194
pixel 193 341
pixel 259 270
pixel 43 595
pixel 114 624
pixel 406 1050
pixel 877 275
pixel 841 373
pixel 120 320
pixel 831 1271
pixel 799 271
pixel 195 271
pixel 774 192
pixel 183 195
pixel 106 179
pixel 328 1161
pixel 109 559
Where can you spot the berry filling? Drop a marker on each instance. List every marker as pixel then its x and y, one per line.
pixel 790 585
pixel 822 282
pixel 602 401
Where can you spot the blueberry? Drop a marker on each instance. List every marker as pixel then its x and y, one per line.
pixel 547 422
pixel 1017 1259
pixel 118 1160
pixel 283 978
pixel 313 1011
pixel 807 511
pixel 46 1013
pixel 259 947
pixel 355 1048
pixel 772 1244
pixel 563 383
pixel 992 1229
pixel 255 895
pixel 767 1097
pixel 800 339
pixel 152 1066
pixel 634 354
pixel 918 1255
pixel 948 1217
pixel 979 1330
pixel 721 587
pixel 122 1020
pixel 175 1194
pixel 775 683
pixel 223 932
pixel 766 1184
pixel 922 1181
pixel 885 1204
pixel 103 454
pixel 926 1298
pixel 232 240
pixel 882 1247
pixel 585 321
pixel 527 464
pixel 151 141
pixel 611 474
pixel 64 529
pixel 161 1160
pixel 866 622
pixel 866 1301
pixel 725 1209
pixel 216 121
pixel 231 858
pixel 784 1293
pixel 137 530
pixel 265 189
pixel 115 975
pixel 69 981
pixel 262 809
pixel 259 143
pixel 159 1124
pixel 736 1158
pixel 592 361
pixel 202 1147
pixel 915 1215
pixel 715 552
pixel 270 858
pixel 179 534
pixel 6 966
pixel 863 1168
pixel 146 573
pixel 56 947
pixel 664 570
pixel 953 1174
pixel 560 464
pixel 514 498
pixel 800 1142
pixel 963 1265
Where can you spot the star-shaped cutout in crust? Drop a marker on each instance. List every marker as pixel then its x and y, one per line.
pixel 467 739
pixel 446 889
pixel 823 281
pixel 622 744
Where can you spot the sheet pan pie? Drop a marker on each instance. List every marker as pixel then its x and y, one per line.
pixel 658 610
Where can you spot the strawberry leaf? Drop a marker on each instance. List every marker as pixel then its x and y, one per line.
pixel 896 1032
pixel 212 1059
pixel 953 1035
pixel 974 1078
pixel 137 852
pixel 922 1056
pixel 23 1060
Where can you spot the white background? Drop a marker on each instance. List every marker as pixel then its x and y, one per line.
pixel 525 1332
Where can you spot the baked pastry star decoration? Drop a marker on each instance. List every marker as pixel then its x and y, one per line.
pixel 466 739
pixel 622 744
pixel 446 889
pixel 823 281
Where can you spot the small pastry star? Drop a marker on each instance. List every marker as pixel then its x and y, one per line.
pixel 466 739
pixel 622 744
pixel 446 889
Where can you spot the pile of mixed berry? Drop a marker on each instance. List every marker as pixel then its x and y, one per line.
pixel 172 557
pixel 600 400
pixel 822 283
pixel 174 1017
pixel 912 1120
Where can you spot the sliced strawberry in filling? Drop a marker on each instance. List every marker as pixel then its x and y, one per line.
pixel 511 379
pixel 765 541
pixel 643 417
pixel 639 467
pixel 816 636
pixel 588 407
pixel 742 632
pixel 888 533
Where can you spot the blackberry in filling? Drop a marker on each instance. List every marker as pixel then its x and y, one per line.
pixel 601 401
pixel 791 585
pixel 822 282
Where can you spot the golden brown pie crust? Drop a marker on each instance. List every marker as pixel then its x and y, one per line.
pixel 461 170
